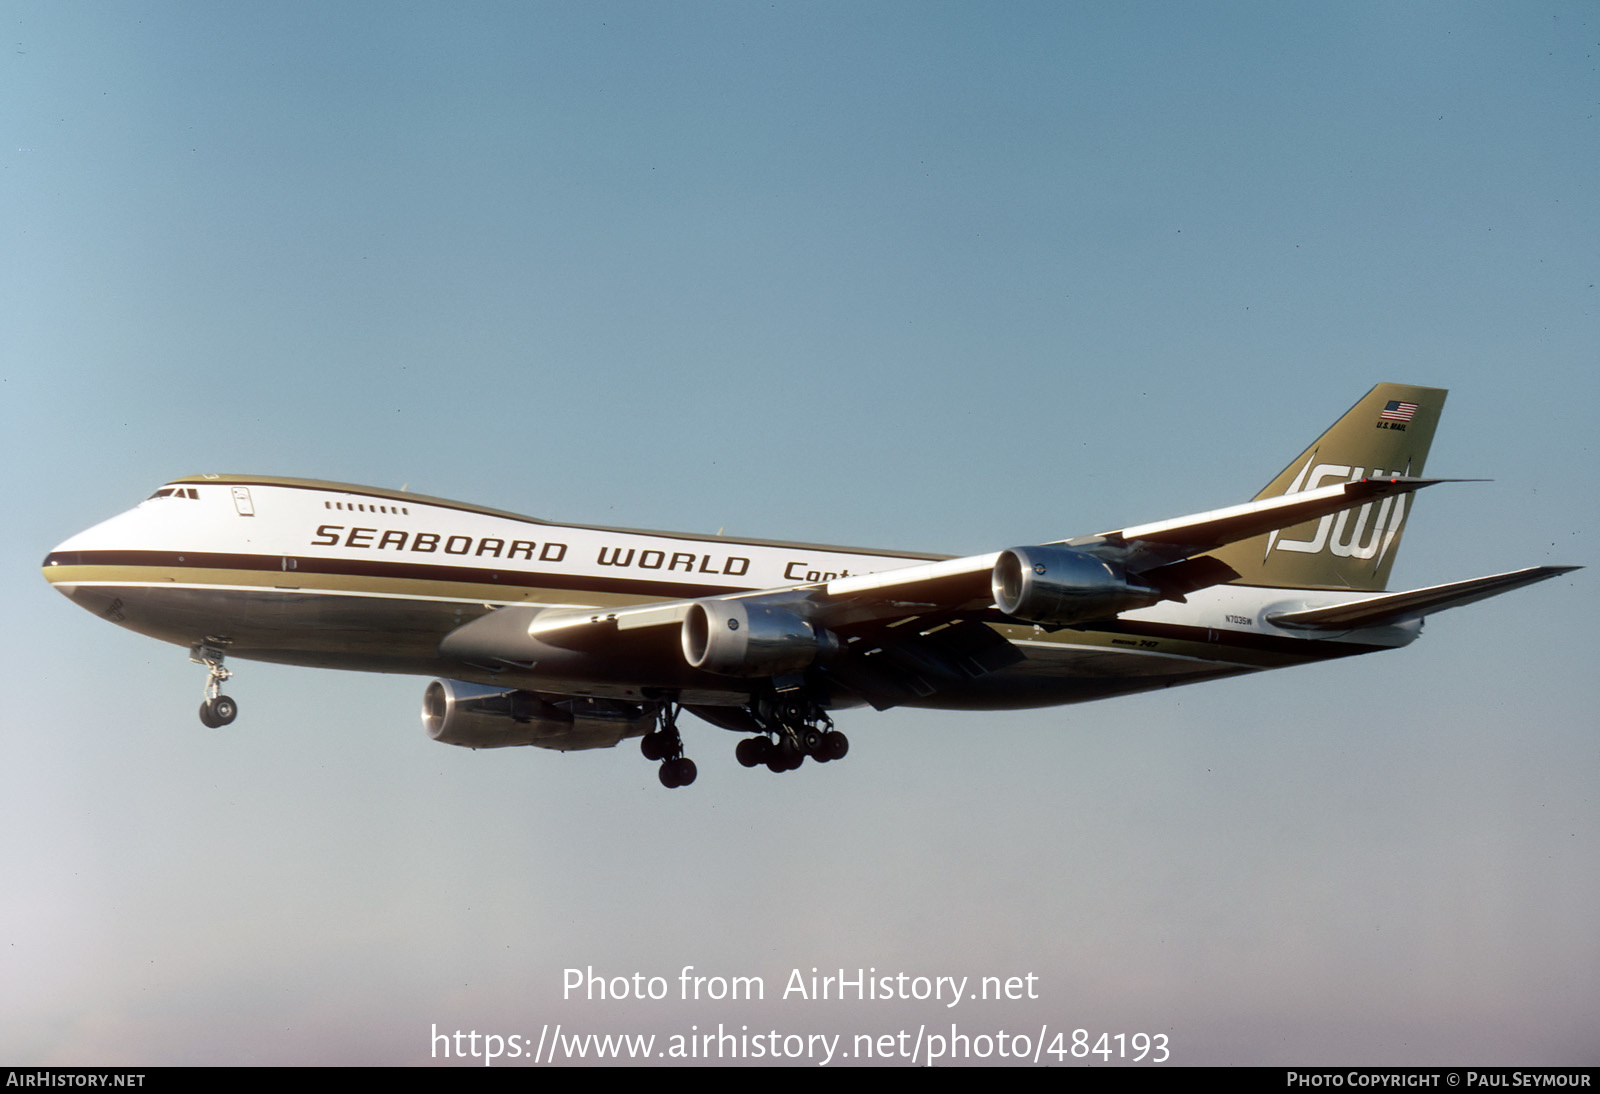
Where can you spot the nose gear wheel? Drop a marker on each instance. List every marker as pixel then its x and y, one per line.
pixel 218 709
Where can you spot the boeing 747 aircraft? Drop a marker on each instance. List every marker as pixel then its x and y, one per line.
pixel 575 637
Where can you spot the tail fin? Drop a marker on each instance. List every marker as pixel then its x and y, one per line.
pixel 1387 433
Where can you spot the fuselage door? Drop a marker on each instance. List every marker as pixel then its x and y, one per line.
pixel 242 502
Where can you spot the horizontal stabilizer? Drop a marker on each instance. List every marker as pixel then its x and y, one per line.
pixel 1378 611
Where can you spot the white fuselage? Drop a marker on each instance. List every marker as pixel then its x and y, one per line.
pixel 329 575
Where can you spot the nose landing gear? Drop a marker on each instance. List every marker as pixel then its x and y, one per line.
pixel 218 709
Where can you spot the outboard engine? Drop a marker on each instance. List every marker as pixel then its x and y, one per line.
pixel 1058 585
pixel 476 716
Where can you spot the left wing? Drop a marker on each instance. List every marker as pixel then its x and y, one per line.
pixel 1159 558
pixel 771 632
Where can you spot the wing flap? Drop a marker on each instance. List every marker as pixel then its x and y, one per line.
pixel 913 666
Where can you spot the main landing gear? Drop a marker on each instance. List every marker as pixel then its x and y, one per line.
pixel 666 745
pixel 796 727
pixel 790 726
pixel 218 709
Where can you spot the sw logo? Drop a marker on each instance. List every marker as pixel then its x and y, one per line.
pixel 1349 534
pixel 1355 548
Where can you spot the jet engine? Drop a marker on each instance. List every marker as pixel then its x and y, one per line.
pixel 1058 585
pixel 475 716
pixel 739 638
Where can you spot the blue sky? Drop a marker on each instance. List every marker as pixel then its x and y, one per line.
pixel 927 276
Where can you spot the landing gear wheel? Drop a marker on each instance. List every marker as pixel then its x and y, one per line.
pixel 796 725
pixel 218 712
pixel 666 745
pixel 785 756
pixel 679 772
pixel 753 751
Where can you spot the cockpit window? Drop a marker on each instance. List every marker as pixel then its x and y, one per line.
pixel 188 492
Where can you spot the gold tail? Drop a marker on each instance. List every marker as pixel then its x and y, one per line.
pixel 1387 433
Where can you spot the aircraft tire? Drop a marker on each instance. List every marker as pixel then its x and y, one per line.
pixel 676 773
pixel 835 745
pixel 224 710
pixel 785 757
pixel 752 751
pixel 207 719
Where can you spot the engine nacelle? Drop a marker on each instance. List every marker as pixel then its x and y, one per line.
pixel 475 716
pixel 1059 585
pixel 737 638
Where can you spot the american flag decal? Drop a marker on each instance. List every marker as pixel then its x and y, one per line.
pixel 1397 411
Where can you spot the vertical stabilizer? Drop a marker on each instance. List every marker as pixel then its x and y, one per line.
pixel 1387 433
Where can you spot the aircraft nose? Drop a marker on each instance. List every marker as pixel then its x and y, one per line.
pixel 58 566
pixel 90 567
pixel 66 564
pixel 71 574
